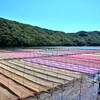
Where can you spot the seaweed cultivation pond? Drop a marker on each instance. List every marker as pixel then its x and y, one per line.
pixel 49 73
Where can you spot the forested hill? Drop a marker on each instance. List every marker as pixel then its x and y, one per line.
pixel 13 33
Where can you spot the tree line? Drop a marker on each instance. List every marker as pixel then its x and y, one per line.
pixel 14 34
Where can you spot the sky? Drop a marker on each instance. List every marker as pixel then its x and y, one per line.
pixel 60 15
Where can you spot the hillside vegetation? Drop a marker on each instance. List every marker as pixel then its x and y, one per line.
pixel 13 33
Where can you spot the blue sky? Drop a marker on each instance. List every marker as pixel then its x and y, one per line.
pixel 62 15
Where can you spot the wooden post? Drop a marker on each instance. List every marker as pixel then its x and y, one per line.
pixel 80 87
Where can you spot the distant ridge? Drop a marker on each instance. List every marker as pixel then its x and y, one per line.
pixel 13 33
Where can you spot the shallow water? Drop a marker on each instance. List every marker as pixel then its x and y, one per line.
pixel 73 47
pixel 64 47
